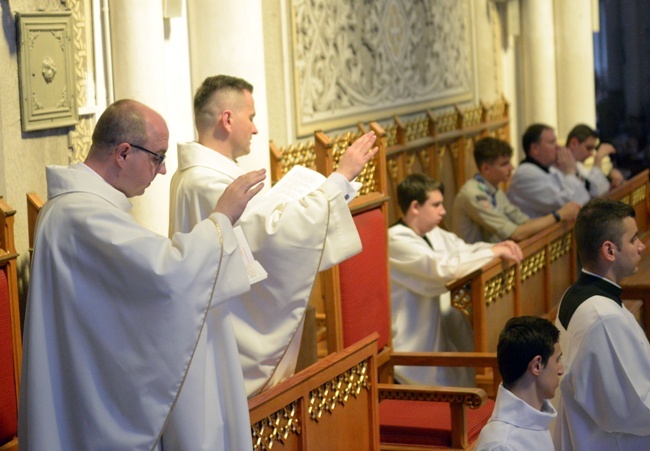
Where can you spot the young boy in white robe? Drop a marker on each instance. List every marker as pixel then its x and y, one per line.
pixel 529 358
pixel 423 258
pixel 605 402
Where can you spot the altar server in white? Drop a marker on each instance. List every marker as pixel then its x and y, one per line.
pixel 114 310
pixel 582 142
pixel 423 258
pixel 605 402
pixel 547 178
pixel 529 358
pixel 293 241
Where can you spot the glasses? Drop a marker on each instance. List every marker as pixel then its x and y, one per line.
pixel 160 157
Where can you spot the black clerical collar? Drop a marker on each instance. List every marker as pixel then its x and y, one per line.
pixel 587 286
pixel 424 237
pixel 531 160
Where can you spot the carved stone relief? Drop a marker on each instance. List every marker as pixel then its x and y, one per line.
pixel 79 139
pixel 360 59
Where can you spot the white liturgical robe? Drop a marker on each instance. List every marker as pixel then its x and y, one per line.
pixel 418 274
pixel 113 317
pixel 292 241
pixel 605 402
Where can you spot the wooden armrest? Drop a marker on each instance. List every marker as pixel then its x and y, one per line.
pixel 470 397
pixel 466 359
pixel 452 284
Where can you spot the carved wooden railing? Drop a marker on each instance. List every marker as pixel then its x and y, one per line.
pixel 441 145
pixel 500 290
pixel 330 405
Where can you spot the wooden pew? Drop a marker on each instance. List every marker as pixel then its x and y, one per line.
pixel 330 405
pixel 440 145
pixel 499 290
pixel 358 303
pixel 10 335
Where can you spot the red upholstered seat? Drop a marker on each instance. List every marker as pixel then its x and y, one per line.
pixel 426 423
pixel 8 407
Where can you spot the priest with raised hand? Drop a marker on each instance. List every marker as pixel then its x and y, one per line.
pixel 114 310
pixel 293 241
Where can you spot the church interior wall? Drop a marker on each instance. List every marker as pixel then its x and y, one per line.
pixel 256 42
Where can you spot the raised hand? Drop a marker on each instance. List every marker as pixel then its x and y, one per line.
pixel 234 199
pixel 357 155
pixel 565 161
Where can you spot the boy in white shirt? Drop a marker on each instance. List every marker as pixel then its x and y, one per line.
pixel 528 354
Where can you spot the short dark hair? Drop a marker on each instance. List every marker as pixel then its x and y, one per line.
pixel 600 220
pixel 522 339
pixel 488 150
pixel 221 83
pixel 532 135
pixel 416 187
pixel 122 121
pixel 581 132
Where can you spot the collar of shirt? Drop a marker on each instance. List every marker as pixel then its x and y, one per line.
pixel 487 188
pixel 531 160
pixel 424 237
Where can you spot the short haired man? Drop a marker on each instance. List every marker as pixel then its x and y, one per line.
pixel 605 402
pixel 546 179
pixel 582 141
pixel 423 258
pixel 293 241
pixel 528 354
pixel 114 310
pixel 482 212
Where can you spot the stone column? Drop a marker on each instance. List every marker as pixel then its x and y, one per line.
pixel 137 42
pixel 226 37
pixel 576 90
pixel 539 68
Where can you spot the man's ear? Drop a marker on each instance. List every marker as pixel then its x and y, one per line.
pixel 535 366
pixel 120 154
pixel 573 142
pixel 226 119
pixel 414 208
pixel 607 251
pixel 485 168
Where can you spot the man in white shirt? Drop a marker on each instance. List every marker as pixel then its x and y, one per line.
pixel 114 310
pixel 546 179
pixel 423 258
pixel 528 354
pixel 583 142
pixel 605 402
pixel 293 241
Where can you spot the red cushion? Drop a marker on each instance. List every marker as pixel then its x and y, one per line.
pixel 8 407
pixel 364 283
pixel 426 423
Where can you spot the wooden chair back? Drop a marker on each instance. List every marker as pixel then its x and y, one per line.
pixel 34 205
pixel 10 335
